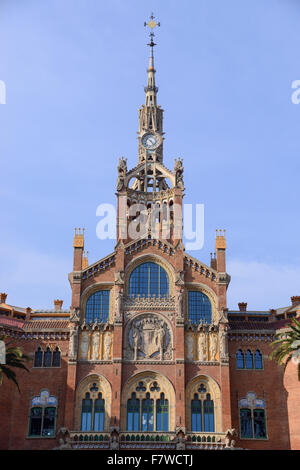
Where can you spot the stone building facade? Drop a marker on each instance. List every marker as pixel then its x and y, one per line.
pixel 148 355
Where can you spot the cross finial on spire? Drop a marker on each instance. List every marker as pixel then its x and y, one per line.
pixel 152 24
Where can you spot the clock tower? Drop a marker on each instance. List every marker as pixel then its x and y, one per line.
pixel 150 195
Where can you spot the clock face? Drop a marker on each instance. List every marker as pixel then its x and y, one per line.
pixel 149 141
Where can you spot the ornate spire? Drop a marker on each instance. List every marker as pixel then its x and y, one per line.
pixel 151 90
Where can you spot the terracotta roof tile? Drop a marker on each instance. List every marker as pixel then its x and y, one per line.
pixel 46 325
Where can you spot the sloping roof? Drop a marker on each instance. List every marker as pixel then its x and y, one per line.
pixel 13 322
pixel 250 312
pixel 38 325
pixel 251 325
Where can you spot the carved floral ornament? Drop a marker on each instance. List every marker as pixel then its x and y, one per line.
pixel 148 337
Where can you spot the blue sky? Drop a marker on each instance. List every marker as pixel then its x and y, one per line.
pixel 74 72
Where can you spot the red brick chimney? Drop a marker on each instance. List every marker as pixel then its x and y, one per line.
pixel 3 298
pixel 58 305
pixel 295 299
pixel 242 306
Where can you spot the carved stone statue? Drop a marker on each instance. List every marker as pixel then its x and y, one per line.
pixel 96 344
pixel 180 443
pixel 178 170
pixel 189 347
pixel 84 344
pixel 122 170
pixel 179 304
pixel 118 305
pixel 202 346
pixel 114 443
pixel 73 343
pixel 213 346
pixel 223 344
pixel 107 344
pixel 161 337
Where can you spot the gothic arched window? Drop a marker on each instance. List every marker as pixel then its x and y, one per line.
pixel 149 279
pixel 86 413
pixel 202 412
pixel 47 357
pixel 133 414
pixel 209 420
pixel 240 359
pixel 249 359
pixel 196 410
pixel 162 414
pixel 199 307
pixel 258 360
pixel 38 357
pixel 97 307
pixel 147 414
pixel 99 413
pixel 56 358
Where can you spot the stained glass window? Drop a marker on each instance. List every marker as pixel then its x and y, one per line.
pixel 199 307
pixel 97 307
pixel 149 279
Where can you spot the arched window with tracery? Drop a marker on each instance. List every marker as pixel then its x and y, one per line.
pixel 249 359
pixel 149 279
pixel 147 409
pixel 258 360
pixel 93 411
pixel 56 357
pixel 38 357
pixel 202 411
pixel 240 359
pixel 97 307
pixel 47 357
pixel 199 308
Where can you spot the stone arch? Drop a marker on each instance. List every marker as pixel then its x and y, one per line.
pixel 213 389
pixel 148 377
pixel 151 257
pixel 83 387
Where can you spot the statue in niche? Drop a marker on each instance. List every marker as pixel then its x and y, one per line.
pixel 213 346
pixel 189 347
pixel 161 336
pixel 122 170
pixel 73 344
pixel 202 346
pixel 84 344
pixel 179 298
pixel 223 344
pixel 118 309
pixel 107 344
pixel 178 170
pixel 96 344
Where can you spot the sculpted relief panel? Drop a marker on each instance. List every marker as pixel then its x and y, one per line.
pixel 202 345
pixel 95 345
pixel 148 337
